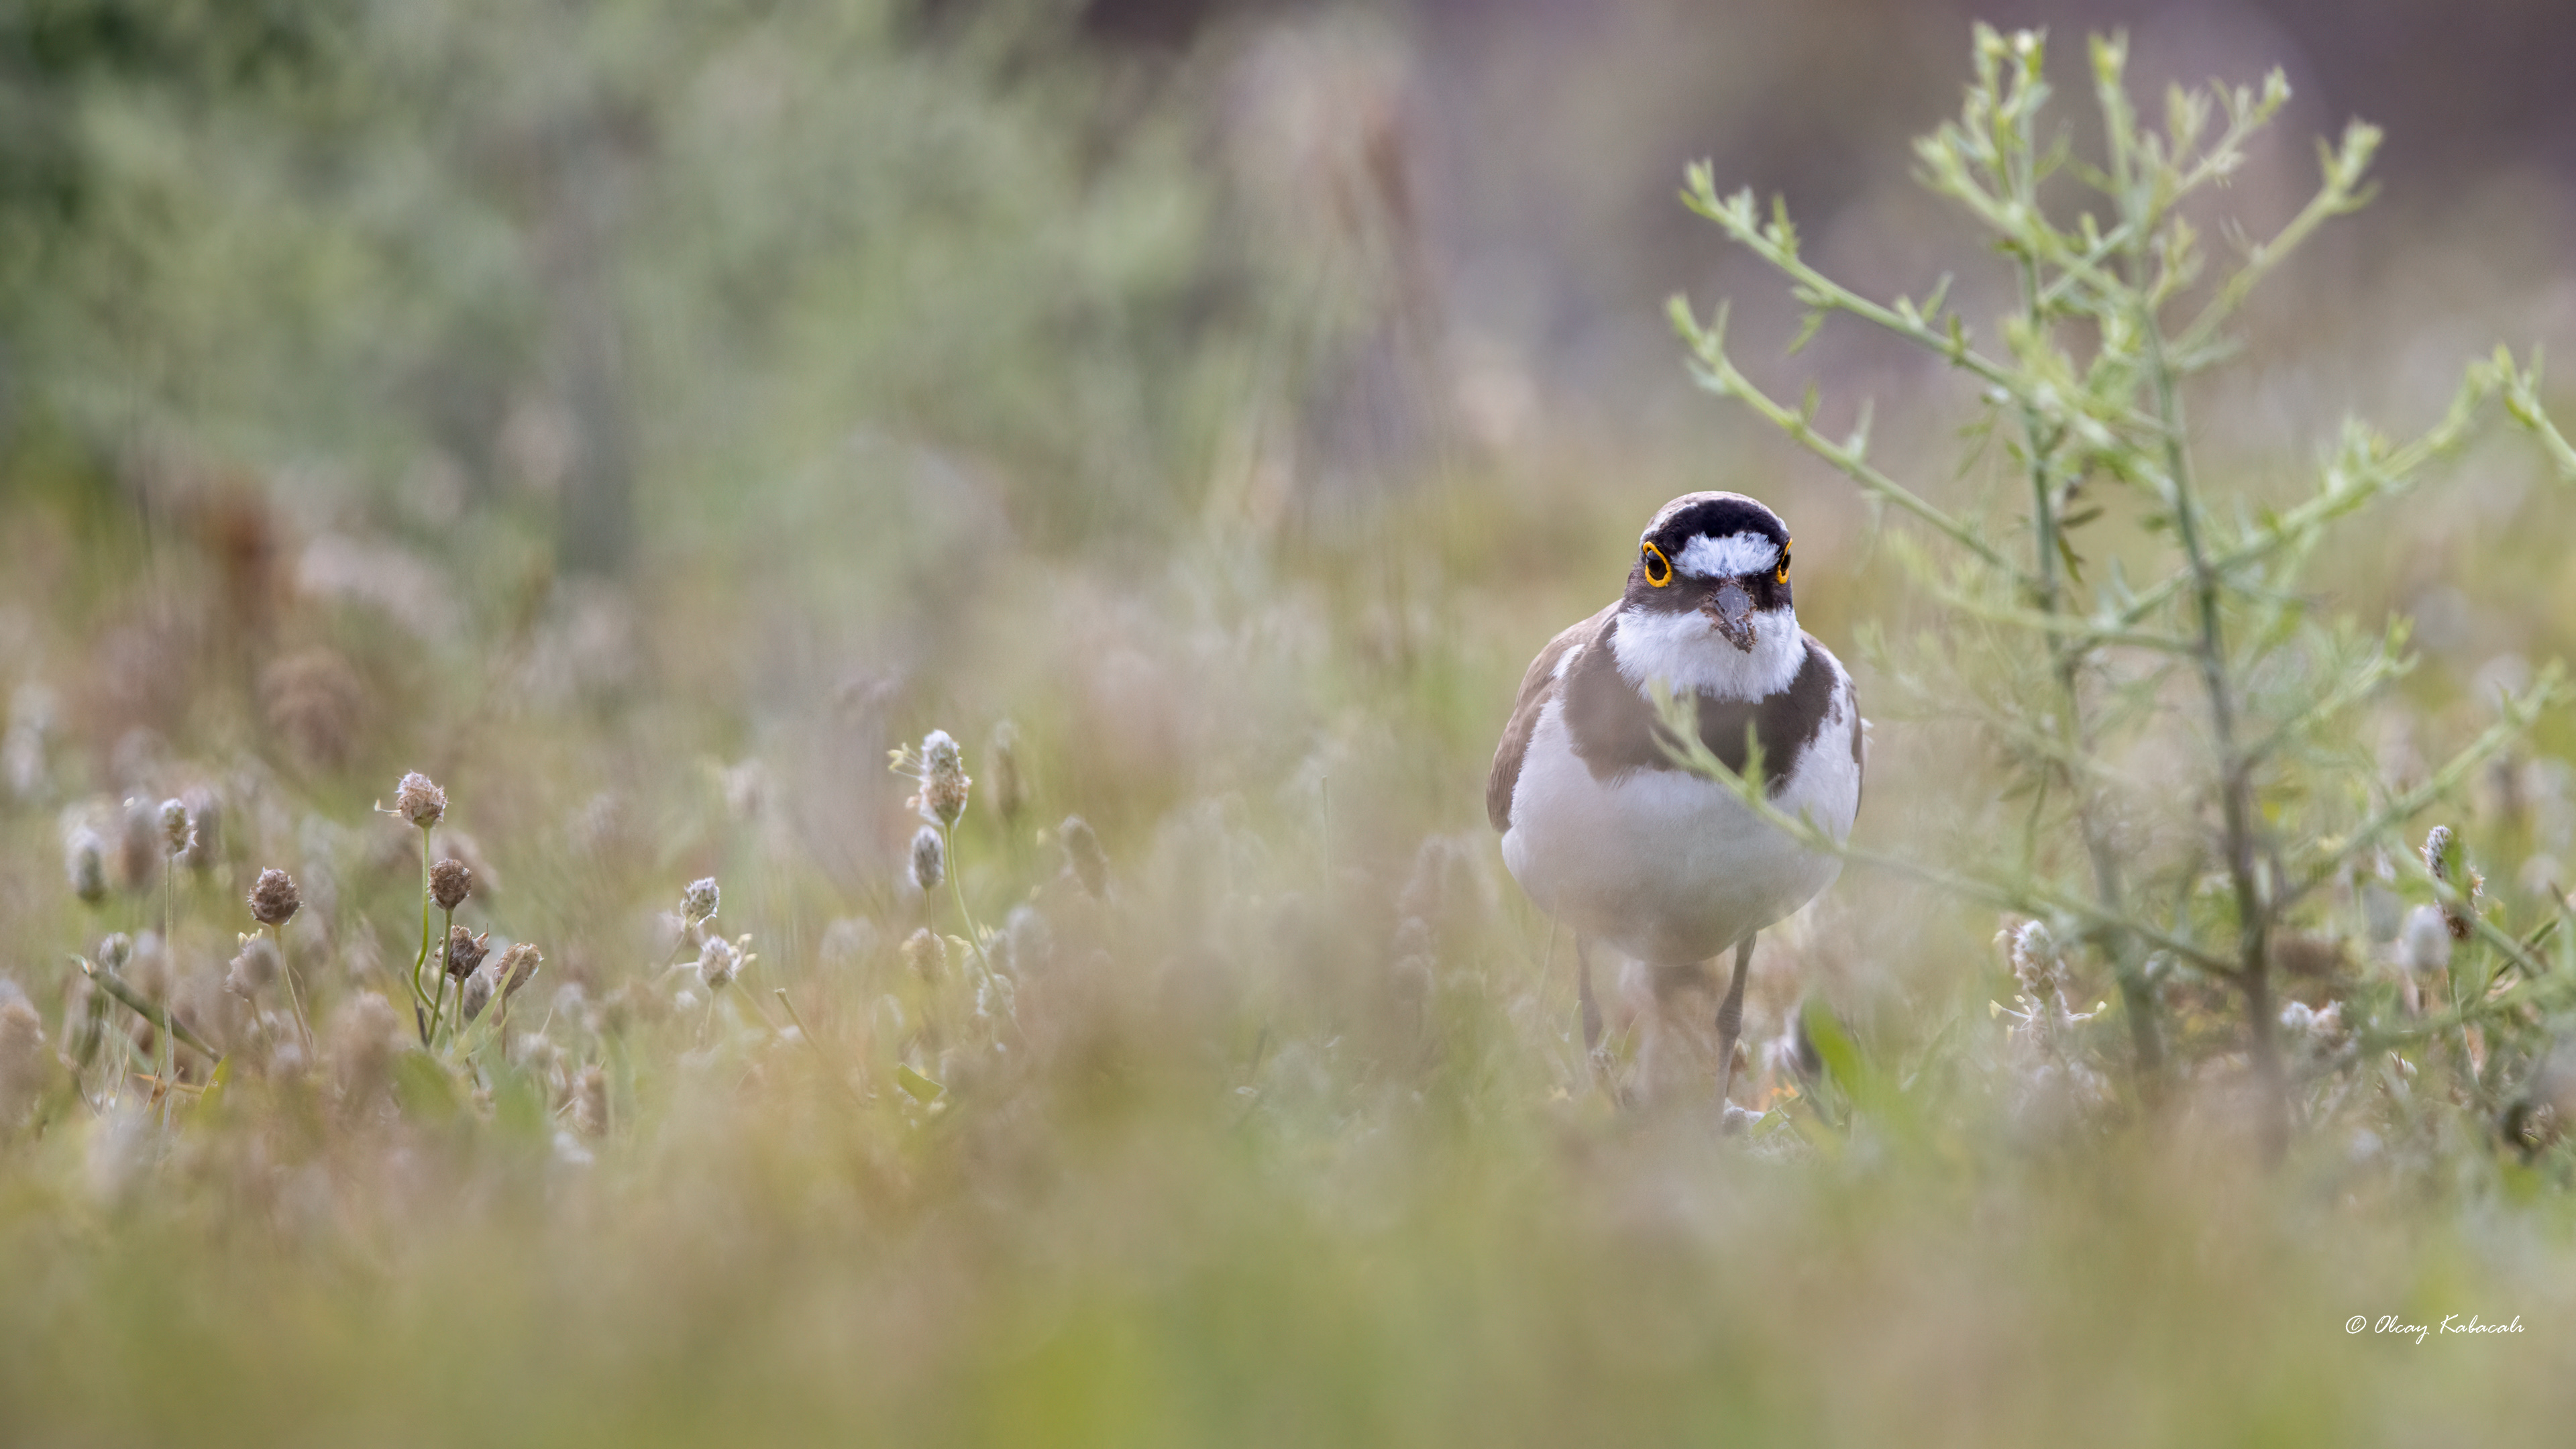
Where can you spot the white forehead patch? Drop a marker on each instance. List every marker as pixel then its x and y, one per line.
pixel 1725 558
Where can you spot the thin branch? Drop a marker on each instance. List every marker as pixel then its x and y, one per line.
pixel 2515 717
pixel 1681 742
pixel 159 1016
pixel 1718 373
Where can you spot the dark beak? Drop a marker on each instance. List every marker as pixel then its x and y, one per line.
pixel 1730 609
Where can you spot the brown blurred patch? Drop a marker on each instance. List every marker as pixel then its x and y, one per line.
pixel 316 703
pixel 238 531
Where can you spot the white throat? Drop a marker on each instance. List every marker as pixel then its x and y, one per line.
pixel 1686 652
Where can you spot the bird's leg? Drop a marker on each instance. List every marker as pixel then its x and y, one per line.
pixel 1591 1010
pixel 1730 1022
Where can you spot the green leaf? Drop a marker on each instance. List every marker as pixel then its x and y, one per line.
pixel 213 1096
pixel 424 1088
pixel 921 1088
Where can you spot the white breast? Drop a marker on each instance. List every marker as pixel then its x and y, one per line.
pixel 1665 866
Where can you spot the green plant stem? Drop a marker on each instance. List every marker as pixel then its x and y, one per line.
pixel 170 960
pixel 957 890
pixel 2235 773
pixel 2516 716
pixel 1681 742
pixel 1717 372
pixel 438 1008
pixel 2068 658
pixel 170 1027
pixel 419 997
pixel 2365 474
pixel 286 970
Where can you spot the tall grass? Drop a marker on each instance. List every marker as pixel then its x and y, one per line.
pixel 1201 1079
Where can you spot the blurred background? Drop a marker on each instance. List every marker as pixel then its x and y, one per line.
pixel 825 326
pixel 762 383
pixel 641 417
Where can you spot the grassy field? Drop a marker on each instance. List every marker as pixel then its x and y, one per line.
pixel 1221 1088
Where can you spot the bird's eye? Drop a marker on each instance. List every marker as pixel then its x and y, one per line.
pixel 1781 576
pixel 1659 570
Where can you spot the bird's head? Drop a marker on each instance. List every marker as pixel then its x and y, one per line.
pixel 1721 558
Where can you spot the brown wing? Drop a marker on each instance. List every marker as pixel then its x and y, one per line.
pixel 1537 687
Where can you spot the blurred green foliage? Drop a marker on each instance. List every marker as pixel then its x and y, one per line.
pixel 640 418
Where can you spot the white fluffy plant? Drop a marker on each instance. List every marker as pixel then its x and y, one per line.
pixel 2216 663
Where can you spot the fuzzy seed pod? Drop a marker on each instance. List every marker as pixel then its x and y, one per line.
pixel 138 849
pixel 701 900
pixel 274 900
pixel 419 800
pixel 450 883
pixel 255 969
pixel 2035 960
pixel 517 965
pixel 929 860
pixel 2449 865
pixel 477 993
pixel 1082 851
pixel 205 831
pixel 115 951
pixel 465 951
pixel 926 954
pixel 175 834
pixel 1032 943
pixel 943 779
pixel 362 1041
pixel 2424 942
pixel 718 960
pixel 1010 787
pixel 85 861
pixel 590 1101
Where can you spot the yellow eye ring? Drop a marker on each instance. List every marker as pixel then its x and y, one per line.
pixel 1659 569
pixel 1782 576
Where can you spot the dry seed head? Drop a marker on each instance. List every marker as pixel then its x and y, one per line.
pixel 274 900
pixel 115 951
pixel 1031 942
pixel 140 846
pixel 926 954
pixel 419 800
pixel 718 960
pixel 517 965
pixel 362 1042
pixel 929 860
pixel 175 834
pixel 2035 960
pixel 590 1101
pixel 205 830
pixel 943 778
pixel 2424 941
pixel 450 883
pixel 476 994
pixel 1082 851
pixel 701 900
pixel 465 951
pixel 254 969
pixel 2448 864
pixel 1010 787
pixel 85 861
pixel 2308 1023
